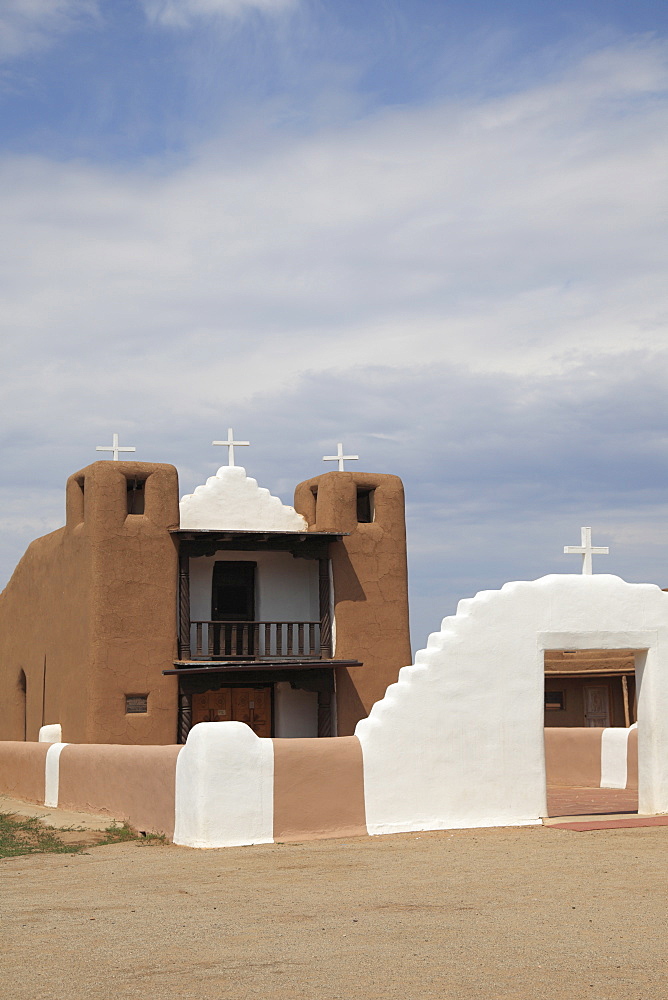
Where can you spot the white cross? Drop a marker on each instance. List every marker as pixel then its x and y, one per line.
pixel 230 443
pixel 586 550
pixel 340 457
pixel 114 447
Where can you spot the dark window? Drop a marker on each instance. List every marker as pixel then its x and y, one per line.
pixel 364 506
pixel 233 592
pixel 136 704
pixel 554 701
pixel 136 496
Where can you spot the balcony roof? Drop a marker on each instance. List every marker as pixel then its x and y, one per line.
pixel 188 668
pixel 309 544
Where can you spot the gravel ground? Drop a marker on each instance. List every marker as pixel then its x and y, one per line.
pixel 510 913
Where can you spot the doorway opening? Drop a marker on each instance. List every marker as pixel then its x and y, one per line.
pixel 590 711
pixel 590 688
pixel 250 704
pixel 233 605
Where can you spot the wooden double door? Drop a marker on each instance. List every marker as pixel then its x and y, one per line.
pixel 251 705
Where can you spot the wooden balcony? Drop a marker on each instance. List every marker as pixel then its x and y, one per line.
pixel 256 641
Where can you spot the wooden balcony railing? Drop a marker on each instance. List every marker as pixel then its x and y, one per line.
pixel 255 640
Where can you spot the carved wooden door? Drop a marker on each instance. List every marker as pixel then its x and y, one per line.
pixel 253 706
pixel 212 706
pixel 597 706
pixel 235 704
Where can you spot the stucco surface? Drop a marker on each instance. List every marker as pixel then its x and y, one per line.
pixel 318 789
pixel 134 783
pixel 632 760
pixel 233 500
pixel 370 584
pixel 573 757
pixel 22 768
pixel 51 734
pixel 459 740
pixel 89 614
pixel 224 787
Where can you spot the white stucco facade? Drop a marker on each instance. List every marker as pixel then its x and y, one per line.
pixel 458 740
pixel 295 712
pixel 233 501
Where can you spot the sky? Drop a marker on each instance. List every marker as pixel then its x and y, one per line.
pixel 434 231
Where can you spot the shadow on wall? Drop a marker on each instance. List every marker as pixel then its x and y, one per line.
pixel 22 699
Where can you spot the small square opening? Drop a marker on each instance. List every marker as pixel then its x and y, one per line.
pixel 136 704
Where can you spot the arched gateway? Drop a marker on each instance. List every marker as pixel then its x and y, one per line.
pixel 458 740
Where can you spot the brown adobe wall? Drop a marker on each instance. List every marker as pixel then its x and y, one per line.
pixel 133 615
pixel 632 760
pixel 370 574
pixel 44 632
pixel 130 783
pixel 573 757
pixel 22 770
pixel 318 789
pixel 96 601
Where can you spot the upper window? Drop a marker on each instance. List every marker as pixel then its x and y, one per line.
pixel 364 506
pixel 136 496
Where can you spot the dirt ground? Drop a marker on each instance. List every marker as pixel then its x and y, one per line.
pixel 511 913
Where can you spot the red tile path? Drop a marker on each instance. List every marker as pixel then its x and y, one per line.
pixel 596 809
pixel 562 801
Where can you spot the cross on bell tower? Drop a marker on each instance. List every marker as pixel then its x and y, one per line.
pixel 114 447
pixel 586 550
pixel 340 457
pixel 229 444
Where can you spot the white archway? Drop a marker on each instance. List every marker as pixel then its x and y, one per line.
pixel 458 740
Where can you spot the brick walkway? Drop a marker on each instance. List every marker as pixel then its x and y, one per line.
pixel 562 801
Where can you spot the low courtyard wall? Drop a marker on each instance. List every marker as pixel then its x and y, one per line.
pixel 592 758
pixel 228 787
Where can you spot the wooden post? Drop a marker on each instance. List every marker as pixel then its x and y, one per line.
pixel 324 713
pixel 184 607
pixel 185 716
pixel 625 692
pixel 325 609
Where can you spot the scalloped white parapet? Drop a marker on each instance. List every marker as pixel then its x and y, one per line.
pixel 233 501
pixel 458 740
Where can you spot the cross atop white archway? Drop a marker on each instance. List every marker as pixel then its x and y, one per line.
pixel 586 550
pixel 229 444
pixel 114 447
pixel 340 457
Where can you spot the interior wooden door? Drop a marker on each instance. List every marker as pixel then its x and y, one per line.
pixel 597 706
pixel 235 704
pixel 253 706
pixel 212 706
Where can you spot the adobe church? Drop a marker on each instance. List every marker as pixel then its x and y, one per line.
pixel 144 616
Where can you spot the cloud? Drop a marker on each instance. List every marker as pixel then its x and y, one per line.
pixel 516 234
pixel 470 294
pixel 182 13
pixel 30 25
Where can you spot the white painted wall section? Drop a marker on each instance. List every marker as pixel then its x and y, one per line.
pixel 232 500
pixel 52 774
pixel 50 734
pixel 458 740
pixel 295 712
pixel 614 756
pixel 224 787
